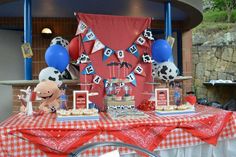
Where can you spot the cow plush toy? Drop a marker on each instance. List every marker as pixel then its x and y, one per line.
pixel 50 93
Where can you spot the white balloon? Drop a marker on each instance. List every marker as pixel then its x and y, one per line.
pixel 167 71
pixel 155 66
pixel 52 74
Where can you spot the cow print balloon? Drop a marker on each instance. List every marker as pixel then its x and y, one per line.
pixel 154 66
pixel 154 74
pixel 60 41
pixel 167 71
pixel 52 74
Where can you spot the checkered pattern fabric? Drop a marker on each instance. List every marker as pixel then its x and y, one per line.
pixel 16 145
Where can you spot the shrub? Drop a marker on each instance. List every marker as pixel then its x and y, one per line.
pixel 215 16
pixel 218 16
pixel 233 18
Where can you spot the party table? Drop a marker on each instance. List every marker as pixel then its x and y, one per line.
pixel 43 136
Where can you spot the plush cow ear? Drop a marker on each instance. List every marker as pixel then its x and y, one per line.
pixel 59 84
pixel 63 86
pixel 66 75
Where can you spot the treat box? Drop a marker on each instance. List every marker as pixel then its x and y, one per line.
pixel 77 118
pixel 176 112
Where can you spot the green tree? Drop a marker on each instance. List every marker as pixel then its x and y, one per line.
pixel 227 5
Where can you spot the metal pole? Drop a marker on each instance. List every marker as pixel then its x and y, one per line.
pixel 168 19
pixel 27 37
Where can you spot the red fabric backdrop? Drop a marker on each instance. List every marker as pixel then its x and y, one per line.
pixel 118 33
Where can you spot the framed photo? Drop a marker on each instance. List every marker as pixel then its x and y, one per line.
pixel 171 41
pixel 26 50
pixel 162 97
pixel 80 99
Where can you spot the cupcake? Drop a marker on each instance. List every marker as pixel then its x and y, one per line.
pixel 169 108
pixel 90 111
pixel 77 112
pixel 63 112
pixel 159 108
pixel 183 107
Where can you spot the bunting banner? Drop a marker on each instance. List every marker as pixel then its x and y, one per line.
pixel 81 28
pixel 148 34
pixel 139 70
pixel 84 58
pixel 89 36
pixel 146 58
pixel 141 41
pixel 133 50
pixel 97 79
pixel 132 78
pixel 98 45
pixel 107 53
pixel 120 55
pixel 122 84
pixel 106 83
pixel 88 70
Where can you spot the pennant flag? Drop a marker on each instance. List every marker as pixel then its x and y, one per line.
pixel 146 58
pixel 139 70
pixel 107 53
pixel 97 79
pixel 89 36
pixel 106 83
pixel 133 50
pixel 148 34
pixel 132 78
pixel 84 58
pixel 98 45
pixel 81 27
pixel 122 84
pixel 120 55
pixel 88 70
pixel 141 41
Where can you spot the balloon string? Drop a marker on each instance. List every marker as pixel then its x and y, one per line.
pixel 85 82
pixel 109 72
pixel 124 72
pixel 118 71
pixel 113 70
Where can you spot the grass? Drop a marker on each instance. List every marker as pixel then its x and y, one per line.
pixel 213 27
pixel 215 21
pixel 218 16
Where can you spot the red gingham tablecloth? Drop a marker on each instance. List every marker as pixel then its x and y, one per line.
pixel 44 136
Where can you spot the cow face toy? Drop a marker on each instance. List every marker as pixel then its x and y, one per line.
pixel 50 93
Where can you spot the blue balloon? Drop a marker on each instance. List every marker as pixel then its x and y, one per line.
pixel 161 50
pixel 171 59
pixel 57 56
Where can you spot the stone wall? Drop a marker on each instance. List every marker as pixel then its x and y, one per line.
pixel 214 58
